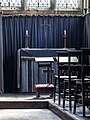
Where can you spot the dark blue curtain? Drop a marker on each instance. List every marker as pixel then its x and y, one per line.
pixel 41 28
pixel 87 30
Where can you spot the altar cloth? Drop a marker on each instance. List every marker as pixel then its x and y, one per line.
pixel 44 59
pixel 26 57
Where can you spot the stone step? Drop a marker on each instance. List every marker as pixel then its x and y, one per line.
pixel 24 104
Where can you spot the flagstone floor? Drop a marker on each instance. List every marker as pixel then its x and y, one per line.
pixel 31 97
pixel 27 114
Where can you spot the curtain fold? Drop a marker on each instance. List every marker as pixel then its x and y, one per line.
pixel 43 31
pixel 87 30
pixel 1 58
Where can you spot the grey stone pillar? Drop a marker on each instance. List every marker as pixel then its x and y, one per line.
pixel 1 57
pixel 23 4
pixel 89 6
pixel 52 4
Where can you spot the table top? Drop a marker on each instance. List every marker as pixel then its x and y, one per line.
pixel 44 59
pixel 66 76
pixel 65 59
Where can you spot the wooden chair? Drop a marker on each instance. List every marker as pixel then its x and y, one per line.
pixel 59 78
pixel 63 62
pixel 82 95
pixel 74 68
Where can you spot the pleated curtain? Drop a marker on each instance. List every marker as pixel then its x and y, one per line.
pixel 41 28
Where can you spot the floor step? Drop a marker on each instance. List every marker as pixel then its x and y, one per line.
pixel 23 104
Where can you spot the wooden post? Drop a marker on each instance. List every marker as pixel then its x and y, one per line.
pixel 26 42
pixel 65 39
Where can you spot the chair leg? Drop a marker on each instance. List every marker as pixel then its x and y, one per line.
pixel 59 93
pixel 37 94
pixel 83 98
pixel 64 94
pixel 75 99
pixel 51 94
pixel 83 109
pixel 70 106
pixel 64 99
pixel 54 89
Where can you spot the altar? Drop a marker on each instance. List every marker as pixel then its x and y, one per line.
pixel 27 75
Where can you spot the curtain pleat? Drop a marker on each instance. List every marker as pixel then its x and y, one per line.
pixel 87 30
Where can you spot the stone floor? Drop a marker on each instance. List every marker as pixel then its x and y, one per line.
pixel 31 97
pixel 78 114
pixel 27 114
